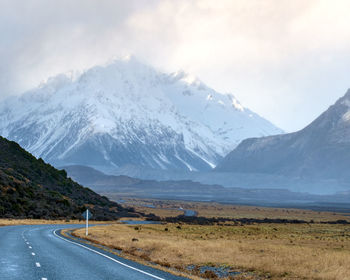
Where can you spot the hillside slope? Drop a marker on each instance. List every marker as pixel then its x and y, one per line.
pixel 30 188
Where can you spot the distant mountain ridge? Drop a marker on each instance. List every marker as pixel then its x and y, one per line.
pixel 119 187
pixel 30 188
pixel 319 151
pixel 103 183
pixel 129 113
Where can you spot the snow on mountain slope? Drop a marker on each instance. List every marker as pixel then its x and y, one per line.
pixel 128 113
pixel 319 151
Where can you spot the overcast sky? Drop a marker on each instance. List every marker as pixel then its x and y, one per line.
pixel 286 60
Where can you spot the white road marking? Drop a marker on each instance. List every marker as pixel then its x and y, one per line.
pixel 37 264
pixel 33 254
pixel 30 247
pixel 114 260
pixel 27 243
pixel 43 278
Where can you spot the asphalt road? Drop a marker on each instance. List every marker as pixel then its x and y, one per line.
pixel 39 252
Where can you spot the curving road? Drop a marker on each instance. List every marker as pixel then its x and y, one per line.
pixel 39 252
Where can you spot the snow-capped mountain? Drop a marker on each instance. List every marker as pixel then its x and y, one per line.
pixel 126 112
pixel 319 151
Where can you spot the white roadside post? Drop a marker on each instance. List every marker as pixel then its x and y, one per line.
pixel 87 222
pixel 87 215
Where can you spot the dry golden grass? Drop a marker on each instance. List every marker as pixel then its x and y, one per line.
pixel 14 222
pixel 162 208
pixel 212 209
pixel 315 251
pixel 235 211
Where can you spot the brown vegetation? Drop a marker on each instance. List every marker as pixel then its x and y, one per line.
pixel 17 222
pixel 294 251
pixel 166 208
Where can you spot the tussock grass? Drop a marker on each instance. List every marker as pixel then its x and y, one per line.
pixel 315 251
pixel 165 208
pixel 14 222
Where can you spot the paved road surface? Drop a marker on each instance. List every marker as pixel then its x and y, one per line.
pixel 36 252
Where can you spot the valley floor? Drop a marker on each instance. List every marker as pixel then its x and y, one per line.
pixel 312 250
pixel 172 208
pixel 277 251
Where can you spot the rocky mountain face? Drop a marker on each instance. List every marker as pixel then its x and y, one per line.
pixel 319 151
pixel 30 188
pixel 127 113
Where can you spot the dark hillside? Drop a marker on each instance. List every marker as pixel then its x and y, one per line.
pixel 30 188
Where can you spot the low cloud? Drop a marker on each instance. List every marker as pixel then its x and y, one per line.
pixel 287 60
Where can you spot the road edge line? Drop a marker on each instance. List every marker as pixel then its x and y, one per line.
pixel 108 257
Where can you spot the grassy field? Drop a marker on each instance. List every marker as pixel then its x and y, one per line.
pixel 167 208
pixel 254 251
pixel 16 222
pixel 277 251
pixel 161 208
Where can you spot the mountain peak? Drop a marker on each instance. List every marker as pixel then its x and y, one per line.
pixel 130 62
pixel 189 79
pixel 126 112
pixel 347 94
pixel 319 151
pixel 345 100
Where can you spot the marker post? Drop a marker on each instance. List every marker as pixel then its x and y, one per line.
pixel 87 222
pixel 87 215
